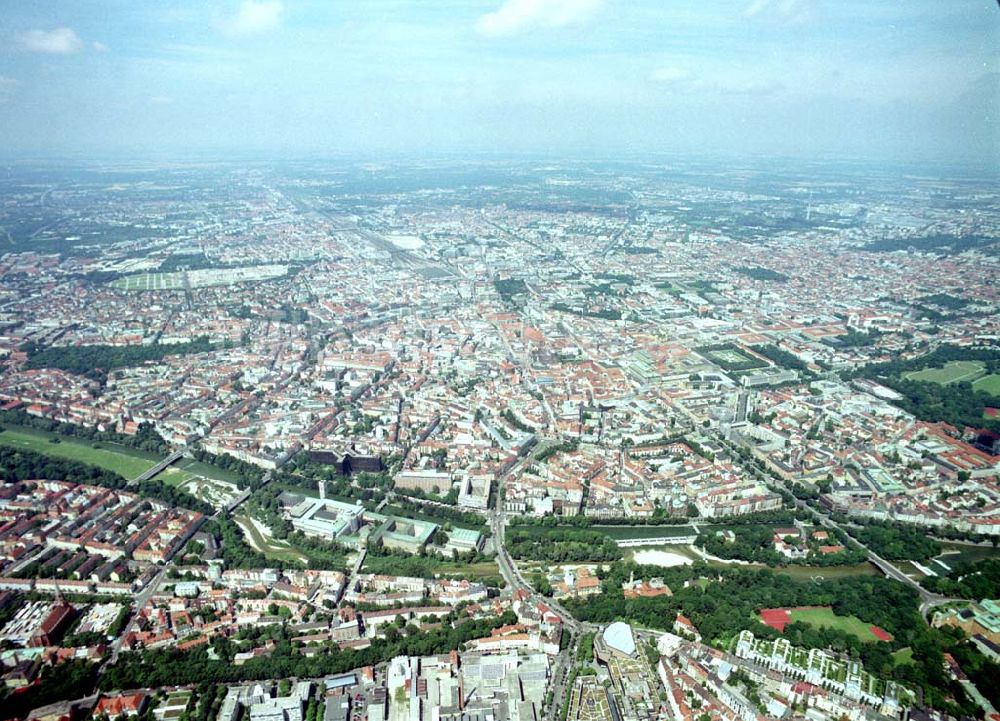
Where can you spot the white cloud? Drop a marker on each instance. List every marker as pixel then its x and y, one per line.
pixel 100 47
pixel 516 15
pixel 61 41
pixel 254 16
pixel 669 75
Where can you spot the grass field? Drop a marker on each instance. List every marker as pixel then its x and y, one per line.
pixel 825 618
pixel 952 372
pixel 903 655
pixel 990 384
pixel 173 476
pixel 125 461
pixel 805 573
pixel 482 571
pixel 205 470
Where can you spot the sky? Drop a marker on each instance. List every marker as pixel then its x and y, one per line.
pixel 861 79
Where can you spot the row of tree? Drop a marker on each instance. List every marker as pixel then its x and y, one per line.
pixel 781 357
pixel 86 359
pixel 958 404
pixel 560 544
pixel 755 544
pixel 896 541
pixel 977 580
pixel 171 667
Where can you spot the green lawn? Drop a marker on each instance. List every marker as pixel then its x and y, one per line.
pixel 481 571
pixel 951 372
pixel 807 573
pixel 825 618
pixel 206 470
pixel 903 655
pixel 126 461
pixel 990 384
pixel 173 476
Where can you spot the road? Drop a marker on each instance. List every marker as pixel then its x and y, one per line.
pixel 139 602
pixel 515 581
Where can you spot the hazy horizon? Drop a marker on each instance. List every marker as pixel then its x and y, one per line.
pixel 912 82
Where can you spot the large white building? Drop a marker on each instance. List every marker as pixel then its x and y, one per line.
pixel 326 518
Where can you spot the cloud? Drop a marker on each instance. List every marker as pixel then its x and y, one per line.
pixel 100 47
pixel 519 15
pixel 790 12
pixel 61 41
pixel 254 16
pixel 669 75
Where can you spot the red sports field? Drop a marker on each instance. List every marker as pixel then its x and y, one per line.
pixel 776 618
pixel 880 633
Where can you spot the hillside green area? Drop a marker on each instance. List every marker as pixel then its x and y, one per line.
pixel 941 386
pixel 98 359
pixel 723 601
pixel 27 465
pixel 213 663
pixel 560 544
pixel 125 461
pixel 764 274
pixel 897 541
